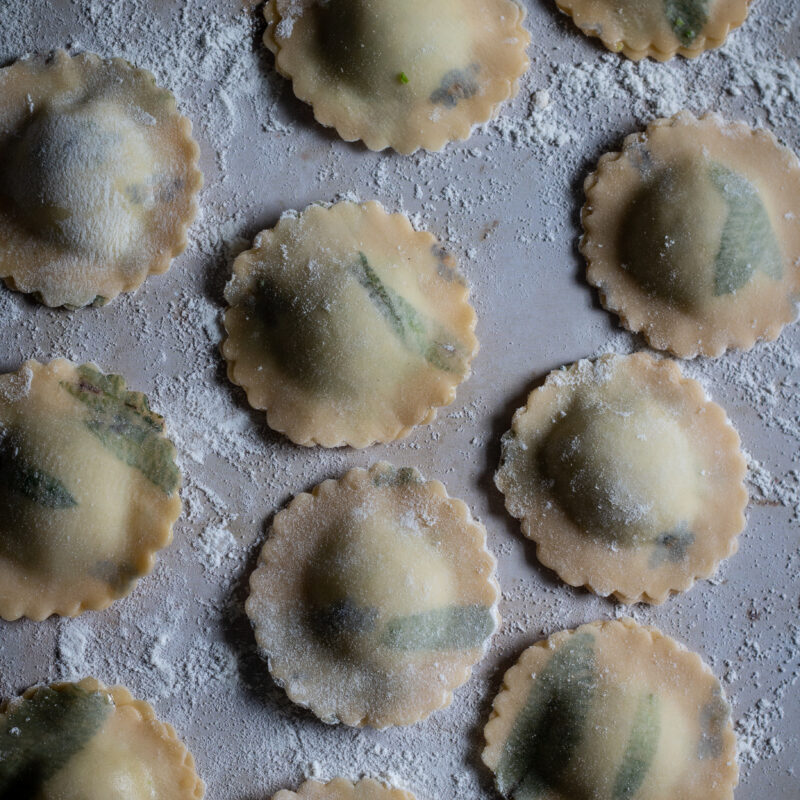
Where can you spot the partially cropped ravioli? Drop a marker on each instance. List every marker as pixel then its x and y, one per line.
pixel 347 326
pixel 611 711
pixel 83 741
pixel 629 480
pixel 374 597
pixel 401 75
pixel 88 489
pixel 692 234
pixel 98 178
pixel 342 789
pixel 659 29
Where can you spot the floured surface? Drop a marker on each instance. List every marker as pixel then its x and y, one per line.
pixel 508 200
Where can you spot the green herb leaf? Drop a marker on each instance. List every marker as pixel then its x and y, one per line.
pixel 402 77
pixel 550 727
pixel 748 242
pixel 641 748
pixel 406 322
pixel 125 425
pixel 451 628
pixel 39 736
pixel 31 482
pixel 686 18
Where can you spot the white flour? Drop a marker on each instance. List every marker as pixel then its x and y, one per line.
pixel 507 203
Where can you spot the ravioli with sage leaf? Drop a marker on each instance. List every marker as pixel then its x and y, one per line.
pixel 83 741
pixel 347 325
pixel 374 597
pixel 401 75
pixel 658 29
pixel 692 234
pixel 88 489
pixel 612 711
pixel 343 789
pixel 98 178
pixel 627 477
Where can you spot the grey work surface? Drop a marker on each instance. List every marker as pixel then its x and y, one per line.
pixel 507 202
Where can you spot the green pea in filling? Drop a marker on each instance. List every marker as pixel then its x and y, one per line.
pixel 686 18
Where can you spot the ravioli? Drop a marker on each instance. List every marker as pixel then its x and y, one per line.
pixel 612 711
pixel 342 789
pixel 88 489
pixel 98 178
pixel 692 235
pixel 83 741
pixel 659 29
pixel 401 75
pixel 347 326
pixel 374 597
pixel 629 480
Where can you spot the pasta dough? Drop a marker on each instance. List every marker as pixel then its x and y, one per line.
pixel 83 741
pixel 611 711
pixel 342 789
pixel 347 326
pixel 692 236
pixel 401 75
pixel 373 598
pixel 657 28
pixel 628 479
pixel 98 177
pixel 88 489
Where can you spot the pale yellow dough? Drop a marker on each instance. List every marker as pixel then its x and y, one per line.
pixel 629 480
pixel 83 741
pixel 342 789
pixel 401 75
pixel 659 29
pixel 692 234
pixel 611 711
pixel 98 178
pixel 88 489
pixel 374 597
pixel 347 325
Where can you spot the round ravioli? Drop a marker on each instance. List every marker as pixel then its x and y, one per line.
pixel 98 178
pixel 347 325
pixel 401 75
pixel 374 597
pixel 629 480
pixel 342 789
pixel 692 234
pixel 611 711
pixel 83 741
pixel 659 29
pixel 88 489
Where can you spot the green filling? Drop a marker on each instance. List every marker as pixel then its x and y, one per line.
pixel 392 476
pixel 451 628
pixel 748 242
pixel 405 321
pixel 125 425
pixel 686 18
pixel 31 482
pixel 40 735
pixel 672 546
pixel 341 618
pixel 640 750
pixel 550 727
pixel 456 85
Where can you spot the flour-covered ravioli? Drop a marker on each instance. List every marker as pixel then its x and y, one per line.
pixel 342 789
pixel 692 234
pixel 347 325
pixel 401 75
pixel 98 178
pixel 83 741
pixel 374 597
pixel 88 489
pixel 611 711
pixel 659 29
pixel 627 477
